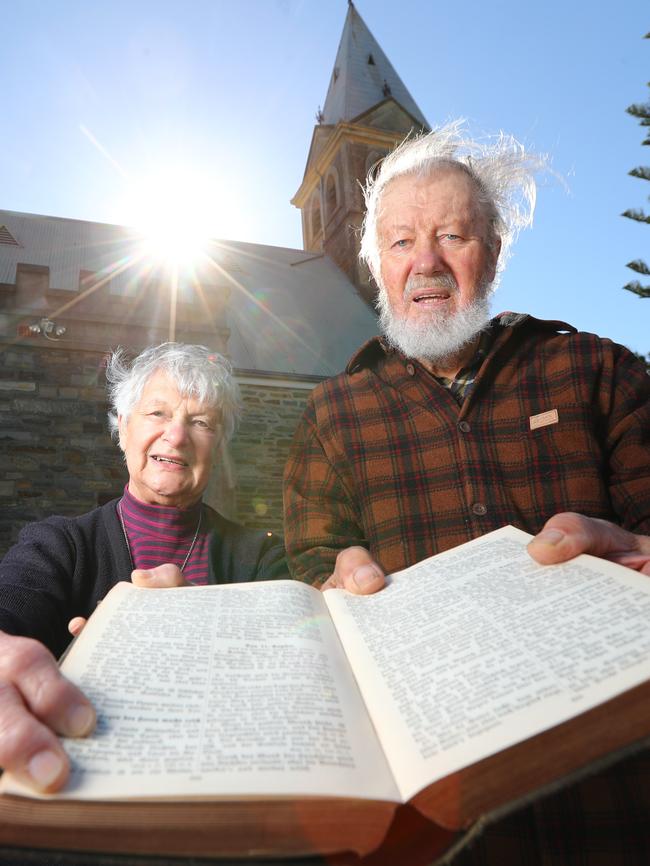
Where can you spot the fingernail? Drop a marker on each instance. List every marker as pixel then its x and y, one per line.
pixel 45 768
pixel 364 575
pixel 550 536
pixel 80 720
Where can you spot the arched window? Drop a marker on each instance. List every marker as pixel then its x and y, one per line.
pixel 373 161
pixel 331 193
pixel 315 221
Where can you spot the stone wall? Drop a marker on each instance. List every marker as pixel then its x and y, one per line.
pixel 259 450
pixel 57 457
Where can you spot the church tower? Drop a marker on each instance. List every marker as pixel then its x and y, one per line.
pixel 367 112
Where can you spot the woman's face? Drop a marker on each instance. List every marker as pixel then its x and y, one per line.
pixel 169 442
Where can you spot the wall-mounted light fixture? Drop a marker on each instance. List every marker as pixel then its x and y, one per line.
pixel 49 329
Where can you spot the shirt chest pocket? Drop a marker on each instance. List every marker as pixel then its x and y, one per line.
pixel 538 446
pixel 561 437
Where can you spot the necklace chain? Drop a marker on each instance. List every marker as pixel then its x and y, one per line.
pixel 128 546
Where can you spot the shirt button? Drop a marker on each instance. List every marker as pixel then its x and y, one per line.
pixel 410 369
pixel 479 508
pixel 464 427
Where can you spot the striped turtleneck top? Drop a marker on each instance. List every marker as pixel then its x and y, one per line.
pixel 157 534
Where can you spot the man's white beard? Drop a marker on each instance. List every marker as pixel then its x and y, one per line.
pixel 439 337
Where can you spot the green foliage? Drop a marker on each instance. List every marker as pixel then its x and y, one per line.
pixel 636 287
pixel 645 359
pixel 636 214
pixel 642 171
pixel 640 110
pixel 639 266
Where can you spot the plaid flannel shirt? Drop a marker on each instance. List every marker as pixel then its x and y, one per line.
pixel 386 457
pixel 463 381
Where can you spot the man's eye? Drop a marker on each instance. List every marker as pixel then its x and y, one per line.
pixel 401 243
pixel 450 237
pixel 157 413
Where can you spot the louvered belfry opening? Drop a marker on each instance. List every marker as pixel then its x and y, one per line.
pixel 6 237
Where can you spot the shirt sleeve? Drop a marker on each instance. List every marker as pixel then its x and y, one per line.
pixel 272 562
pixel 321 517
pixel 35 582
pixel 625 404
pixel 239 554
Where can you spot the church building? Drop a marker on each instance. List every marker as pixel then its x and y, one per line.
pixel 71 290
pixel 367 112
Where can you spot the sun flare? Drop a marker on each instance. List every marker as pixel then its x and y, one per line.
pixel 175 212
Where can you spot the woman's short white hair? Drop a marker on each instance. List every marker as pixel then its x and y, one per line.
pixel 504 175
pixel 195 370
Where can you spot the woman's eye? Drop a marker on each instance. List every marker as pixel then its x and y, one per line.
pixel 401 243
pixel 450 237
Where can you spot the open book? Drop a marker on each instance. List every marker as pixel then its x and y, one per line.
pixel 274 719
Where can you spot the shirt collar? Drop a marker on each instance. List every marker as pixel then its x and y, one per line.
pixel 161 515
pixel 376 348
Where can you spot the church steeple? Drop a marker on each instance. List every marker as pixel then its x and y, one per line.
pixel 363 76
pixel 367 111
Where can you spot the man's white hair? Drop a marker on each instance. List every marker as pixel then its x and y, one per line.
pixel 503 173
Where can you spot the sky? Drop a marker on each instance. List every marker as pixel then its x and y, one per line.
pixel 109 105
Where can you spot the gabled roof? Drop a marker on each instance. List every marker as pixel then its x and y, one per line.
pixel 291 311
pixel 288 311
pixel 363 76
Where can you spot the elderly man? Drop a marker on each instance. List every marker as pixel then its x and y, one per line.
pixel 452 424
pixel 172 408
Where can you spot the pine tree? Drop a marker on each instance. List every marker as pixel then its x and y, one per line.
pixel 642 111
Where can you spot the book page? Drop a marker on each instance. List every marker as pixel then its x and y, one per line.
pixel 479 647
pixel 221 690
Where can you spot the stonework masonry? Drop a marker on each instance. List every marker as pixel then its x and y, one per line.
pixel 57 456
pixel 259 451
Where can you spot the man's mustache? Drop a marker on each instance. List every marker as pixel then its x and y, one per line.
pixel 418 282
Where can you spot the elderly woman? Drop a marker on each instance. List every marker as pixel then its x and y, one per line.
pixel 171 410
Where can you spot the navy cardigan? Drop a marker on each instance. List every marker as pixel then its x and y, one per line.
pixel 62 567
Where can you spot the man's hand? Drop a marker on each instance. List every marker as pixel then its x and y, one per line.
pixel 356 571
pixel 37 702
pixel 160 577
pixel 563 537
pixel 566 535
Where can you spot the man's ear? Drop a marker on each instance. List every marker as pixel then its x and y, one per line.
pixel 495 252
